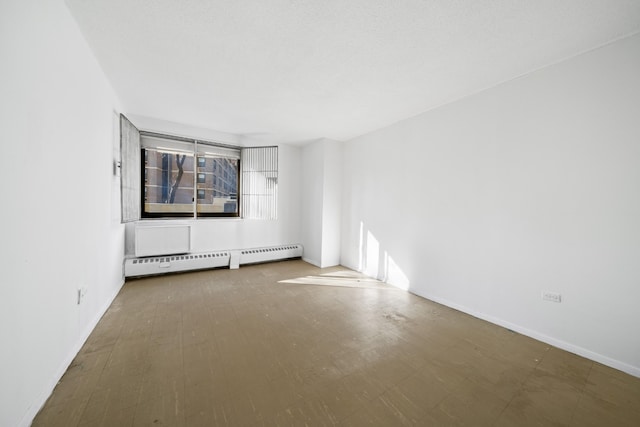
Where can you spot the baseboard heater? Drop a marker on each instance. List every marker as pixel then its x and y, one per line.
pixel 145 266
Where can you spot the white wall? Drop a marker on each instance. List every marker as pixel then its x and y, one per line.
pixel 311 200
pixel 212 234
pixel 60 215
pixel 332 205
pixel 322 202
pixel 180 129
pixel 529 186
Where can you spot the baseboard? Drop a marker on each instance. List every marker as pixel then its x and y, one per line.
pixel 311 261
pixel 319 264
pixel 572 348
pixel 44 395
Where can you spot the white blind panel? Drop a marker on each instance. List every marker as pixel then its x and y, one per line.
pixel 129 171
pixel 166 144
pixel 209 150
pixel 259 169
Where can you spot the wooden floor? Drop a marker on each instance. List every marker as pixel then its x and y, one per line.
pixel 290 344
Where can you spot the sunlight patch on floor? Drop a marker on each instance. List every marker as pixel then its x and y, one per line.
pixel 343 278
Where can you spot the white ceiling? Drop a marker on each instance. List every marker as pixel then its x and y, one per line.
pixel 295 70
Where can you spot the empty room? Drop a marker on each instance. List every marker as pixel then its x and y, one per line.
pixel 309 213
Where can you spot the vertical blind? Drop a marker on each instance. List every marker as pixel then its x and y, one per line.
pixel 259 186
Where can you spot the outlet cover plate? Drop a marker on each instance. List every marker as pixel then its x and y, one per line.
pixel 551 296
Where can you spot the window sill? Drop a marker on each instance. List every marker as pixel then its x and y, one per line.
pixel 157 221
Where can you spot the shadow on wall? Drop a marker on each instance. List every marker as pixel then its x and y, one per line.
pixel 376 262
pixel 375 270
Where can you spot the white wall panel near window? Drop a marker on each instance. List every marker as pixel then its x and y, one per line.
pixel 259 174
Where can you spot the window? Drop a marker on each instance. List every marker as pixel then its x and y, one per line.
pixel 181 177
pixel 175 179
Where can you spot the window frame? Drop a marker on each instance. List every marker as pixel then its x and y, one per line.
pixel 194 143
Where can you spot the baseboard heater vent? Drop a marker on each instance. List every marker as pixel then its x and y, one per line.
pixel 145 266
pixel 134 267
pixel 272 253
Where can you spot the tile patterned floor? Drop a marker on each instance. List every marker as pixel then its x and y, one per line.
pixel 289 344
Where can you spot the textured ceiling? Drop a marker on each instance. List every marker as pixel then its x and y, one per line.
pixel 294 70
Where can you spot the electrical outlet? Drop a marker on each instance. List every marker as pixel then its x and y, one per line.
pixel 551 296
pixel 81 294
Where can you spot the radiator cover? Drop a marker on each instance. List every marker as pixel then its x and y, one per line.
pixel 145 266
pixel 272 253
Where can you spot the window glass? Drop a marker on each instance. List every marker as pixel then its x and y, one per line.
pixel 186 178
pixel 168 183
pixel 220 191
